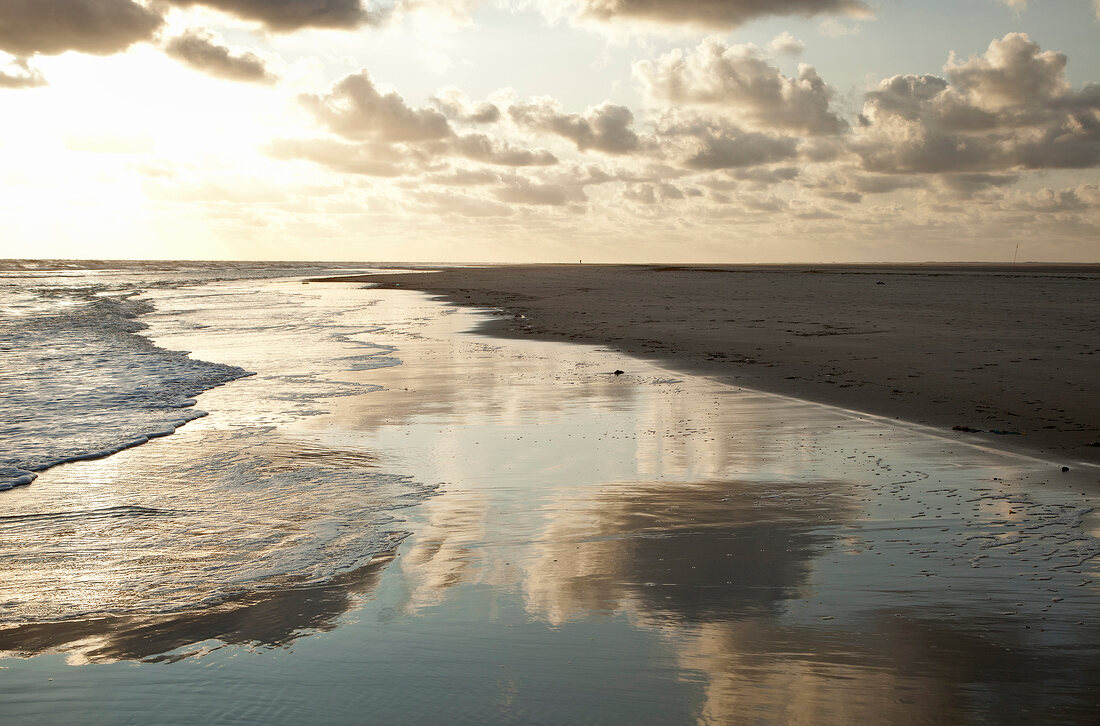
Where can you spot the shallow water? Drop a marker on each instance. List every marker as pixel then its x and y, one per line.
pixel 645 548
pixel 238 505
pixel 78 379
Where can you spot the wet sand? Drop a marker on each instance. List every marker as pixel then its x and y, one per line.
pixel 645 548
pixel 1011 349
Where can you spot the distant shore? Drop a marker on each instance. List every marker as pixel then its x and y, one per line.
pixel 1009 352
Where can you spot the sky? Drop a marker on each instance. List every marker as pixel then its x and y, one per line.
pixel 723 131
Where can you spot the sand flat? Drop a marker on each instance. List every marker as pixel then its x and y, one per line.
pixel 992 348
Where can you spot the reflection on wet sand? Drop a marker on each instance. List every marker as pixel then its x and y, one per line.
pixel 713 568
pixel 683 552
pixel 273 618
pixel 897 671
pixel 445 551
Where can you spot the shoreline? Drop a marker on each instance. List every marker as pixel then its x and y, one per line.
pixel 994 348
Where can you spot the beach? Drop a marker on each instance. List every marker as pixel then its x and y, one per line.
pixel 1008 349
pixel 399 517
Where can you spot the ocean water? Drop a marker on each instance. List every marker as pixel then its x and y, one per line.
pixel 95 360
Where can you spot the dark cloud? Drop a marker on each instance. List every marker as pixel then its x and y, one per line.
pixel 199 50
pixel 1011 108
pixel 525 191
pixel 713 13
pixel 51 27
pixel 288 15
pixel 669 191
pixel 884 183
pixel 103 27
pixel 732 148
pixel 739 81
pixel 768 176
pixel 605 128
pixel 839 195
pixel 19 74
pixel 967 185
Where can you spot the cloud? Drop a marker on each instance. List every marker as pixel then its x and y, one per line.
pixel 722 14
pixel 479 147
pixel 393 136
pixel 884 183
pixel 767 176
pixel 1013 74
pixel 457 106
pixel 464 178
pixel 1010 108
pixel 738 81
pixel 731 148
pixel 524 191
pixel 605 128
pixel 356 109
pixel 19 74
pixel 669 191
pixel 463 204
pixel 51 27
pixel 967 185
pixel 725 118
pixel 365 159
pixel 641 193
pixel 104 27
pixel 786 44
pixel 1055 201
pixel 289 15
pixel 199 50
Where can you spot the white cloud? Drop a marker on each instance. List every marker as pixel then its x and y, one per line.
pixel 20 74
pixel 786 44
pixel 1010 108
pixel 739 81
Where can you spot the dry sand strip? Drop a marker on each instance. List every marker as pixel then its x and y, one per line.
pixel 1012 352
